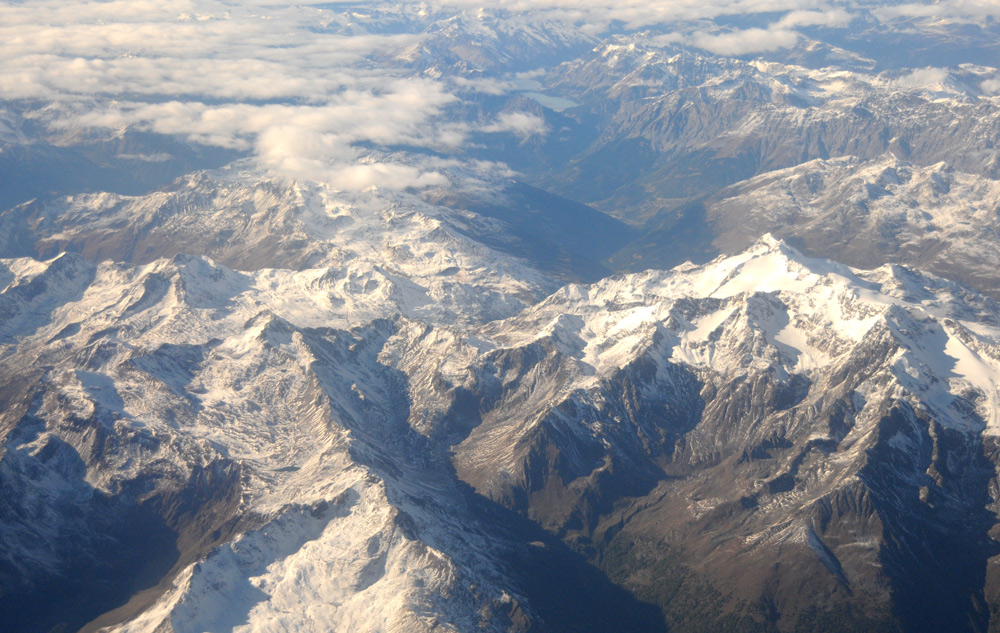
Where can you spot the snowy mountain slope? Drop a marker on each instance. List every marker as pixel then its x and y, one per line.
pixel 160 388
pixel 274 397
pixel 449 248
pixel 864 213
pixel 333 513
pixel 473 41
pixel 677 124
pixel 768 311
pixel 935 217
pixel 786 406
pixel 370 254
pixel 776 403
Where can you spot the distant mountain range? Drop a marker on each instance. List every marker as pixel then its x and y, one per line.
pixel 560 318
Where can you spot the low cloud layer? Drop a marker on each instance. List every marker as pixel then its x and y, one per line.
pixel 596 15
pixel 734 43
pixel 959 10
pixel 833 18
pixel 305 86
pixel 279 81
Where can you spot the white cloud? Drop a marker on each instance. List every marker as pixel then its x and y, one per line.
pixel 745 42
pixel 238 55
pixel 360 176
pixel 990 87
pixel 519 123
pixel 922 79
pixel 832 18
pixel 297 140
pixel 667 39
pixel 146 158
pixel 270 79
pixel 946 9
pixel 484 85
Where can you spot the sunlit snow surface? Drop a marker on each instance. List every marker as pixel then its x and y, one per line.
pixel 310 315
pixel 262 369
pixel 808 313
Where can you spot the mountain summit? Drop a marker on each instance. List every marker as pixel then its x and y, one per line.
pixel 678 427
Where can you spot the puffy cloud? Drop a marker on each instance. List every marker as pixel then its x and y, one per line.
pixel 303 141
pixel 990 87
pixel 922 79
pixel 667 39
pixel 519 123
pixel 360 176
pixel 282 81
pixel 831 18
pixel 76 49
pixel 745 42
pixel 305 85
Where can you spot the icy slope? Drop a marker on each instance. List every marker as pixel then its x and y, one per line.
pixel 234 420
pixel 764 406
pixel 304 462
pixel 154 370
pixel 869 212
pixel 370 254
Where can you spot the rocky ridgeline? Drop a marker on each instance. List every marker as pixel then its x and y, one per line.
pixel 681 430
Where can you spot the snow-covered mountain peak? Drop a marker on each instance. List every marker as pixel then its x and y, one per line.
pixel 872 211
pixel 768 308
pixel 391 252
pixel 388 371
